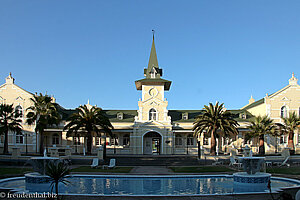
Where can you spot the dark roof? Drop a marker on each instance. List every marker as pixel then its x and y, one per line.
pixel 256 103
pixel 176 115
pixel 65 113
pixel 153 81
pixel 128 115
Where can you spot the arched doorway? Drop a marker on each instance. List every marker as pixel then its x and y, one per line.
pixel 152 143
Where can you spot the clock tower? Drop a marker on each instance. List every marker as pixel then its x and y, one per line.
pixel 153 105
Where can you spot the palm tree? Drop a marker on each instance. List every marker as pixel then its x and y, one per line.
pixel 9 121
pixel 259 127
pixel 88 121
pixel 57 171
pixel 44 114
pixel 213 120
pixel 290 124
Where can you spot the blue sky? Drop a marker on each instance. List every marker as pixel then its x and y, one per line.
pixel 210 50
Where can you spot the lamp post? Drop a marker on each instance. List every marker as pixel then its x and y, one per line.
pixel 26 147
pixel 199 150
pixel 187 146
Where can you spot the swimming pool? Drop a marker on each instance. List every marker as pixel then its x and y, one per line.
pixel 150 185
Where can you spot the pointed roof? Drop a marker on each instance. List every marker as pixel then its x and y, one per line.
pixel 153 67
pixel 153 57
pixel 153 73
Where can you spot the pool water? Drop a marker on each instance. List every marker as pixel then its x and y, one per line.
pixel 150 185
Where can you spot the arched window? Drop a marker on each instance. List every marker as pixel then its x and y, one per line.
pixel 153 73
pixel 178 140
pixel 126 140
pixel 190 140
pixel 55 138
pixel 152 114
pixel 120 116
pixel 19 138
pixel 283 112
pixel 19 109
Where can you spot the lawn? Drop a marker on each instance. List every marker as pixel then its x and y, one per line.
pixel 15 171
pixel 114 170
pixel 201 169
pixel 284 170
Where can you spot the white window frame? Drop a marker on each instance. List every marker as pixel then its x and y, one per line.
pixel 126 140
pixel 120 116
pixel 114 141
pixel 153 114
pixel 76 141
pixel 19 138
pixel 19 108
pixel 97 140
pixel 190 140
pixel 283 112
pixel 178 140
pixel 185 116
pixel 55 139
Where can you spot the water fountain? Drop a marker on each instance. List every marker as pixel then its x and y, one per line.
pixel 39 179
pixel 251 177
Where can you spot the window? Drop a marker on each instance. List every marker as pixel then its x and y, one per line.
pixel 283 112
pixel 19 138
pixel 178 140
pixel 114 141
pixel 152 114
pixel 19 109
pixel 243 116
pixel 299 111
pixel 97 140
pixel 283 139
pixel 120 116
pixel 76 140
pixel 153 73
pixel 206 142
pixel 190 140
pixel 185 116
pixel 55 138
pixel 126 140
pixel 1 139
pixel 2 100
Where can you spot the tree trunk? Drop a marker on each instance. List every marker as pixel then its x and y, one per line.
pixel 41 142
pixel 56 189
pixel 89 144
pixel 5 148
pixel 291 140
pixel 261 145
pixel 199 150
pixel 104 149
pixel 213 143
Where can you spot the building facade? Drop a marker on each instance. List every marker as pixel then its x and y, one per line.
pixel 153 129
pixel 278 105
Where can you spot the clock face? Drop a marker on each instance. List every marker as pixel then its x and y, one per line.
pixel 153 92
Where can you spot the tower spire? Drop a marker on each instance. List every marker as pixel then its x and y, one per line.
pixel 153 73
pixel 153 57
